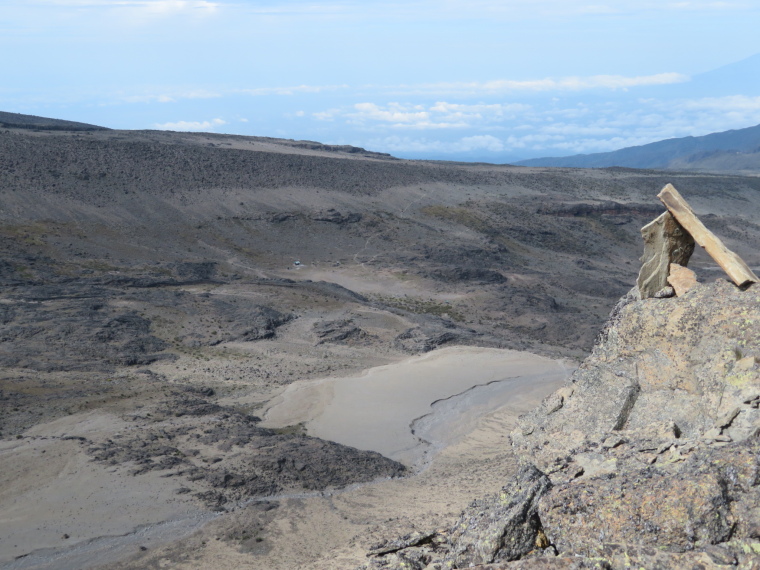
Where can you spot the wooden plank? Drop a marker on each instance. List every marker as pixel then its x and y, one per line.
pixel 731 263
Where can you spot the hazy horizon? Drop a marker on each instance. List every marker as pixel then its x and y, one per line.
pixel 484 80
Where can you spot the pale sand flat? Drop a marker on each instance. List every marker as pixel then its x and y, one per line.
pixel 52 495
pixel 375 410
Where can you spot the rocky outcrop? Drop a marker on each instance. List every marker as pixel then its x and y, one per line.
pixel 222 456
pixel 340 331
pixel 649 457
pixel 333 216
pixel 467 274
pixel 419 340
pixel 664 360
pixel 503 527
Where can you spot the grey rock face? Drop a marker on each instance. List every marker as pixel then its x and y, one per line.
pixel 343 330
pixel 502 527
pixel 663 360
pixel 419 340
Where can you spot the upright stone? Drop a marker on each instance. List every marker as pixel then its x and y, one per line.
pixel 665 242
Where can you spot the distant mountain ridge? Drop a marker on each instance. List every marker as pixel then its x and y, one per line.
pixel 734 150
pixel 20 121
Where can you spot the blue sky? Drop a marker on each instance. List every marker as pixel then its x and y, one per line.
pixel 451 79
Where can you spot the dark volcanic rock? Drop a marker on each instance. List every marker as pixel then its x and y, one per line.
pixel 417 340
pixel 84 323
pixel 196 271
pixel 19 121
pixel 468 274
pixel 335 217
pixel 607 207
pixel 229 458
pixel 343 330
pixel 76 334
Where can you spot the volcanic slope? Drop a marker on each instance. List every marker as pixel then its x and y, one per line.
pixel 159 287
pixel 735 151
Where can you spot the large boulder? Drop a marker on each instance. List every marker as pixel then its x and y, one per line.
pixel 684 362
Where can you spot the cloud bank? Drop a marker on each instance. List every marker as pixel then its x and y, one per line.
pixel 204 126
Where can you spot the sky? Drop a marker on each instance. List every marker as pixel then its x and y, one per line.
pixel 494 80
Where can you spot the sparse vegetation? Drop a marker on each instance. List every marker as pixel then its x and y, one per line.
pixel 422 306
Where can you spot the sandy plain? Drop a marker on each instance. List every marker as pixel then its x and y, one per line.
pixel 334 529
pixel 61 510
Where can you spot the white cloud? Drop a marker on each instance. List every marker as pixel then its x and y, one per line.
pixel 440 115
pixel 526 9
pixel 563 84
pixel 191 125
pixel 95 15
pixel 291 90
pixel 169 96
pixel 711 6
pixel 148 99
pixel 616 127
pixel 732 103
pixel 174 95
pixel 165 6
pixel 481 142
pixel 479 110
pixel 393 113
pixel 552 130
pixel 414 9
pixel 155 6
pixel 465 144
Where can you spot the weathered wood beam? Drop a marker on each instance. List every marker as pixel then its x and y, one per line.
pixel 731 263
